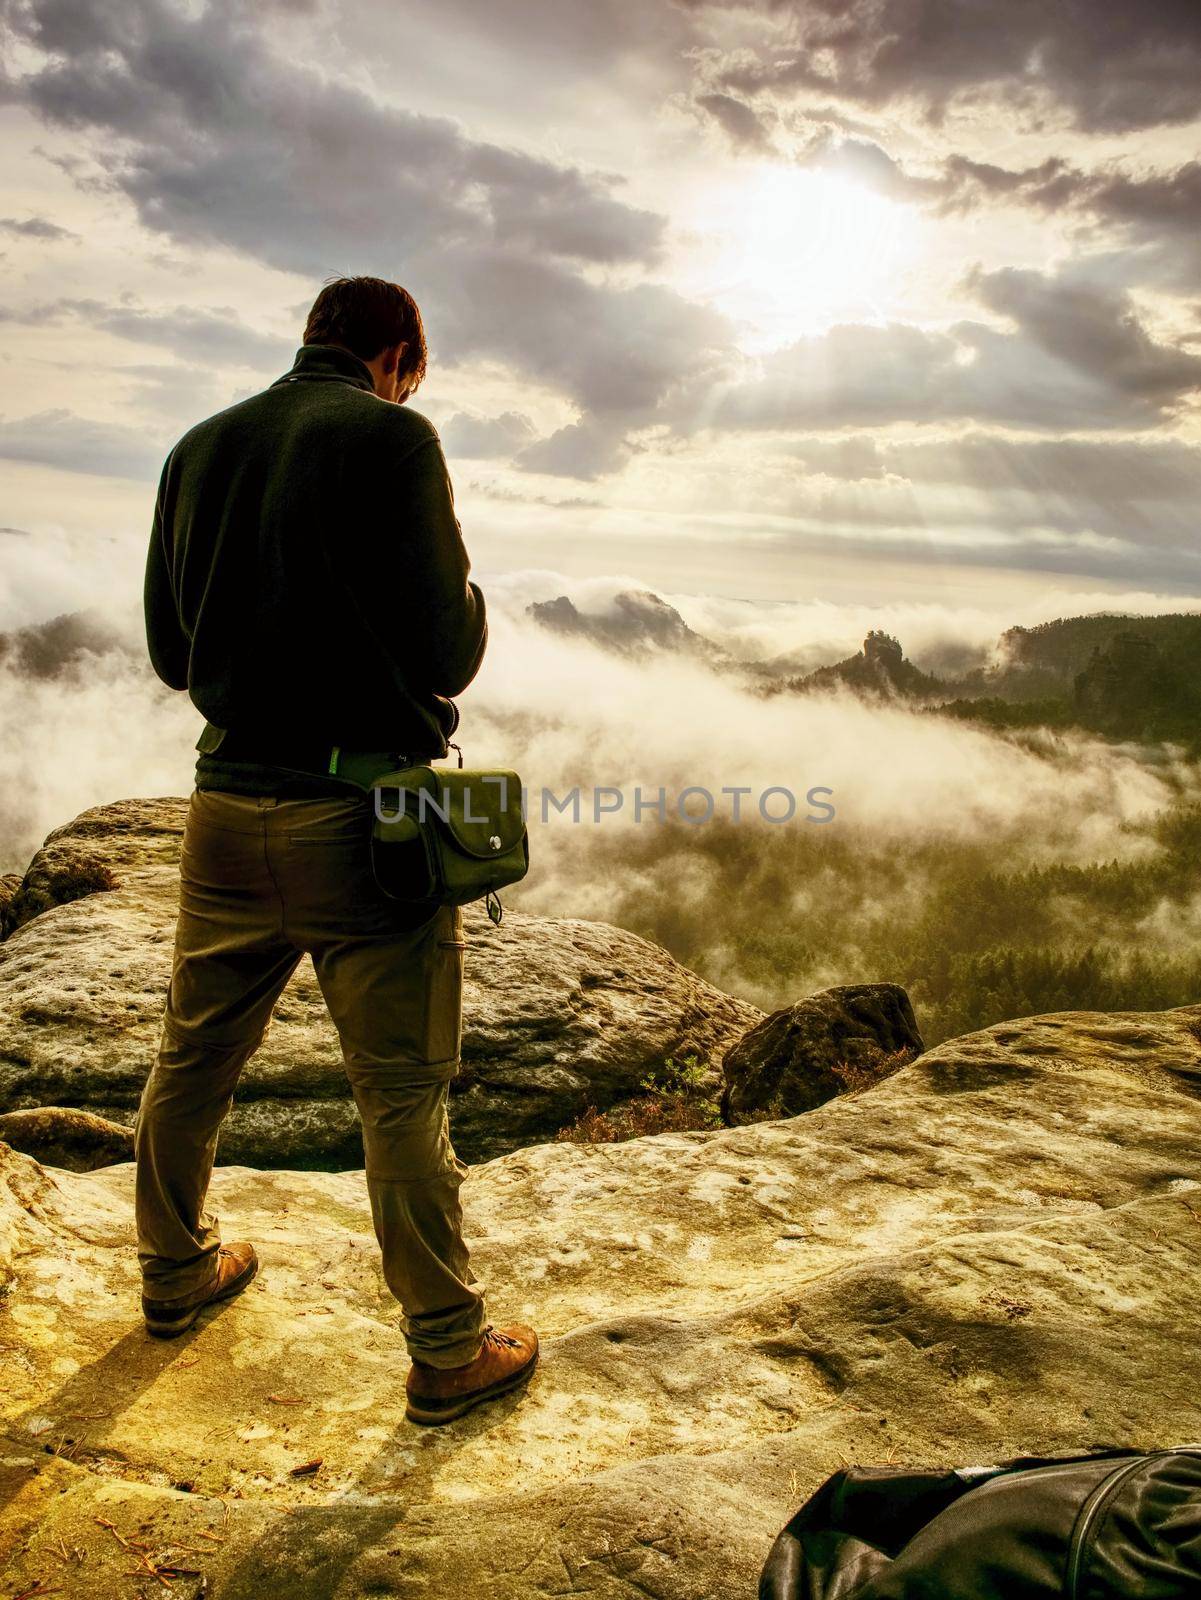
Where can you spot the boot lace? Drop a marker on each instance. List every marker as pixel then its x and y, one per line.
pixel 495 1336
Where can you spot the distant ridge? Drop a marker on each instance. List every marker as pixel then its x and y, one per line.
pixel 1116 674
pixel 636 622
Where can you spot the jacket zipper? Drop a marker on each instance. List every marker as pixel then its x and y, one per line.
pixel 1096 1503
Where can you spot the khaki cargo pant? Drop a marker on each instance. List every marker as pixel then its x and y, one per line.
pixel 262 881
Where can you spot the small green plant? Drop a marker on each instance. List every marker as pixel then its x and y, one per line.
pixel 685 1080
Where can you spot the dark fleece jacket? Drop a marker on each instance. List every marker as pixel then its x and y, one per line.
pixel 307 582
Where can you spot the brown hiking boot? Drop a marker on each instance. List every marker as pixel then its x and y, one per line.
pixel 236 1266
pixel 436 1394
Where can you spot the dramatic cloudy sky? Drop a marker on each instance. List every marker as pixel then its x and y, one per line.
pixel 883 300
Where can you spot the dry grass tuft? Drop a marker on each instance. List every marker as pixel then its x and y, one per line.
pixel 676 1101
pixel 854 1077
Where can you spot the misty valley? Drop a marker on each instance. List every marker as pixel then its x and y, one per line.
pixel 1018 826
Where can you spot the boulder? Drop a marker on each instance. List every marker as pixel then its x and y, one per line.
pixel 834 1042
pixel 65 1137
pixel 558 1014
pixel 994 1251
pixel 59 873
pixel 10 885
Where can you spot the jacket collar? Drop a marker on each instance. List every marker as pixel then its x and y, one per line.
pixel 315 362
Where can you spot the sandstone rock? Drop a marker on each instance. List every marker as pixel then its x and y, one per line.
pixel 558 1014
pixel 10 884
pixel 994 1251
pixel 64 1137
pixel 59 873
pixel 836 1040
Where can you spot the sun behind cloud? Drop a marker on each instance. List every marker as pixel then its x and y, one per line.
pixel 798 250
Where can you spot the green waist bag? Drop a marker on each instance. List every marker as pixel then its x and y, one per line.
pixel 448 835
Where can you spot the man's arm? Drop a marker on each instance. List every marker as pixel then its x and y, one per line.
pixel 164 637
pixel 449 620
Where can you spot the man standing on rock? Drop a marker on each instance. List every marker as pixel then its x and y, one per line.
pixel 308 586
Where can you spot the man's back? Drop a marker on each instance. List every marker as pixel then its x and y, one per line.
pixel 307 577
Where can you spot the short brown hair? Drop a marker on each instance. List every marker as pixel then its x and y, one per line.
pixel 365 316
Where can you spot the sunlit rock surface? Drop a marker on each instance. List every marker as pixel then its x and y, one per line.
pixel 558 1014
pixel 64 1137
pixel 994 1251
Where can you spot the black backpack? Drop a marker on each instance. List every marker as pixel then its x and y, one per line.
pixel 1113 1525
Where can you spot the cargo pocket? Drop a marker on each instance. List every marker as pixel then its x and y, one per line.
pixel 444 986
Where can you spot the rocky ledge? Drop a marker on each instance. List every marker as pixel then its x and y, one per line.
pixel 993 1251
pixel 559 1014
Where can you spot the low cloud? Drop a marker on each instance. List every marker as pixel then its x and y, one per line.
pixel 1146 219
pixel 1093 331
pixel 1078 358
pixel 35 228
pixel 216 335
pixel 586 450
pixel 59 438
pixel 621 354
pixel 740 122
pixel 1125 472
pixel 486 438
pixel 1148 216
pixel 196 333
pixel 1103 68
